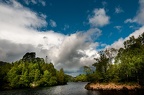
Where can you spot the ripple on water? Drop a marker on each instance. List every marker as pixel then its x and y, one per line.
pixel 71 89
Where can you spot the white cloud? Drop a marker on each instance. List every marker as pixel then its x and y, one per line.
pixel 136 33
pixel 33 1
pixel 131 26
pixel 104 3
pixel 16 15
pixel 140 14
pixel 42 2
pixel 75 50
pixel 103 45
pixel 139 18
pixel 10 51
pixel 129 21
pixel 99 18
pixel 43 16
pixel 66 26
pixel 119 28
pixel 118 44
pixel 19 34
pixel 118 10
pixel 134 27
pixel 53 23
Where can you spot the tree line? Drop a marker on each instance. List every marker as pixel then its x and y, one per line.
pixel 30 72
pixel 125 65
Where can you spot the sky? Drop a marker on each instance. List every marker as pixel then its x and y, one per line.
pixel 69 32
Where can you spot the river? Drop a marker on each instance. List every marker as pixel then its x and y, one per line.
pixel 72 88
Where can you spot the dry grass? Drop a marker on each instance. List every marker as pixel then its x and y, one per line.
pixel 112 86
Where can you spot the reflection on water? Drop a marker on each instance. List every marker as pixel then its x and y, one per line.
pixel 124 92
pixel 70 89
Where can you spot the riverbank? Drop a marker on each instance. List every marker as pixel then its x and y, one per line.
pixel 72 88
pixel 112 86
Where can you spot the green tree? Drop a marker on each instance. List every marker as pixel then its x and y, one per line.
pixel 81 77
pixel 131 60
pixel 61 76
pixel 37 75
pixel 30 72
pixel 13 77
pixel 52 81
pixel 24 79
pixel 45 78
pixel 101 66
pixel 4 68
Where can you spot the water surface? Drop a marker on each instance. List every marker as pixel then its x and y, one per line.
pixel 72 88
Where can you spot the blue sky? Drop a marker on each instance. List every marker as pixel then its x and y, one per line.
pixel 74 14
pixel 69 32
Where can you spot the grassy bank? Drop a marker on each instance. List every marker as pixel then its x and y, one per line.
pixel 112 86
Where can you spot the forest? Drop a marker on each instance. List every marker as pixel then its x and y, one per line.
pixel 30 72
pixel 125 65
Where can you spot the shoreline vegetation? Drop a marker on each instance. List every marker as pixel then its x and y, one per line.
pixel 112 86
pixel 30 72
pixel 119 69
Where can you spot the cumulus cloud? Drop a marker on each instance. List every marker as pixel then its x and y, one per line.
pixel 99 18
pixel 140 14
pixel 75 51
pixel 136 33
pixel 119 44
pixel 139 18
pixel 19 34
pixel 118 10
pixel 10 51
pixel 53 23
pixel 17 15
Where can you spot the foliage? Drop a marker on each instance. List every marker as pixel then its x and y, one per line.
pixel 4 68
pixel 128 66
pixel 81 77
pixel 31 72
pixel 61 77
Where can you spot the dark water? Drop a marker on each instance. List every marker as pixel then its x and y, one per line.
pixel 70 89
